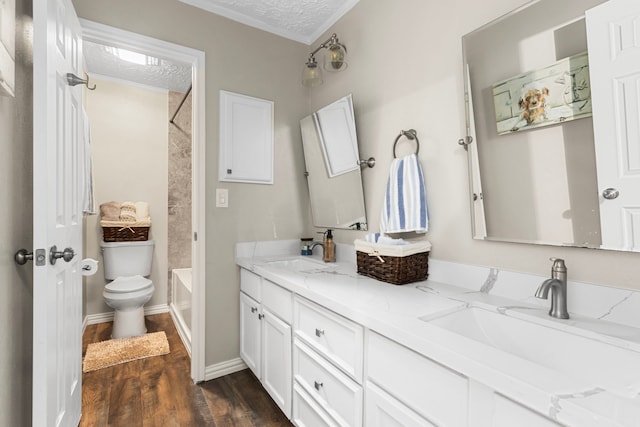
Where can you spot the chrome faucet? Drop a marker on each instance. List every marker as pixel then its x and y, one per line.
pixel 314 244
pixel 558 286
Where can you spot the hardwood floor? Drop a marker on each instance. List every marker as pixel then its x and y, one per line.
pixel 158 391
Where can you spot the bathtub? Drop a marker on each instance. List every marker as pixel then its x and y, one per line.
pixel 180 306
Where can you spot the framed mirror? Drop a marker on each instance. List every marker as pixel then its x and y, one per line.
pixel 331 156
pixel 535 92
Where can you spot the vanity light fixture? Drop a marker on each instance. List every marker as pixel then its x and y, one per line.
pixel 334 61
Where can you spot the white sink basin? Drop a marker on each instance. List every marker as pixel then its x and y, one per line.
pixel 299 265
pixel 607 366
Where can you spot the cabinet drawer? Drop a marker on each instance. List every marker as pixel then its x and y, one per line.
pixel 333 390
pixel 278 300
pixel 307 412
pixel 250 284
pixel 338 339
pixel 430 389
pixel 382 410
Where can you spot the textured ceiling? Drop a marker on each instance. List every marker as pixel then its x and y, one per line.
pixel 300 20
pixel 168 75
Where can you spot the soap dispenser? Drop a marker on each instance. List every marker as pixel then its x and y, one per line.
pixel 329 252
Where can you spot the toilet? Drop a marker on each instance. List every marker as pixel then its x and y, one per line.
pixel 125 265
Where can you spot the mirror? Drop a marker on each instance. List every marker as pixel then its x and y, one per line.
pixel 331 156
pixel 536 179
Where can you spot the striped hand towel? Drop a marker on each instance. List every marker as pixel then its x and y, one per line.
pixel 405 201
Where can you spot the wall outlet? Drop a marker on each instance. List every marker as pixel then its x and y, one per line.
pixel 222 198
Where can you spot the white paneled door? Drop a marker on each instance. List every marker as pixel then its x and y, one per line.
pixel 57 216
pixel 613 34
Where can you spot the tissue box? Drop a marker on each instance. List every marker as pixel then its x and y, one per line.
pixel 396 264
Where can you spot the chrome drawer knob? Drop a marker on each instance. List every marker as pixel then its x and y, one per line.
pixel 319 332
pixel 318 385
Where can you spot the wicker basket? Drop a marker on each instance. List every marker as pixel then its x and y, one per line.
pixel 125 234
pixel 398 265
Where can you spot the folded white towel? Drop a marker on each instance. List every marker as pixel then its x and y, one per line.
pixel 405 201
pixel 142 209
pixel 384 240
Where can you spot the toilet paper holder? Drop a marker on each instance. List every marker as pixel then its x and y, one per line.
pixel 89 267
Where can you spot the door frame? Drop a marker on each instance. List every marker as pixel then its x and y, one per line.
pixel 107 35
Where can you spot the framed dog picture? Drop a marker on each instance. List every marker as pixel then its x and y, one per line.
pixel 547 96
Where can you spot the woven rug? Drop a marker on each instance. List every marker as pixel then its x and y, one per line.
pixel 121 350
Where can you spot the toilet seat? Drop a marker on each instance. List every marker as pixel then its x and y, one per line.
pixel 128 284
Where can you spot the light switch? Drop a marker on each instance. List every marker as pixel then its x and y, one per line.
pixel 222 198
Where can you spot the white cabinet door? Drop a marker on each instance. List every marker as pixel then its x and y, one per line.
pixel 276 360
pixel 382 410
pixel 246 139
pixel 250 336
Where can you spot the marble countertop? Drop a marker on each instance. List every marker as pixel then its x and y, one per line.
pixel 397 312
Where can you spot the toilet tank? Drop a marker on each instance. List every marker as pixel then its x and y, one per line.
pixel 126 258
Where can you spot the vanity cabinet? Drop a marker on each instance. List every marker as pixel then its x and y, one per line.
pixel 327 366
pixel 265 335
pixel 323 369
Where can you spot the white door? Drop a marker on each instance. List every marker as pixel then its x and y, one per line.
pixel 613 34
pixel 57 217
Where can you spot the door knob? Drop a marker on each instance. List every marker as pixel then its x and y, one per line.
pixel 67 254
pixel 610 193
pixel 22 256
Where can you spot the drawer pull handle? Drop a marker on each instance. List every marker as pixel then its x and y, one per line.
pixel 317 385
pixel 319 332
pixel 260 316
pixel 254 309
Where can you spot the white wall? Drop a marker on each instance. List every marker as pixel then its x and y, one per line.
pixel 16 232
pixel 129 137
pixel 405 71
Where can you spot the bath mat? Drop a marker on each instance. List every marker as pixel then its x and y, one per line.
pixel 115 351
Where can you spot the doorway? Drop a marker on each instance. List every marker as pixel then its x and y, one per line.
pixel 153 48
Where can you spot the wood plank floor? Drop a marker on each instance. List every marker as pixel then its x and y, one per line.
pixel 158 391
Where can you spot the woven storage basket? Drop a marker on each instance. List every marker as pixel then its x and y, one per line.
pixel 398 265
pixel 125 234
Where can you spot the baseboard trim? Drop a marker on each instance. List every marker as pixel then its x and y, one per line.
pixel 221 369
pixel 92 319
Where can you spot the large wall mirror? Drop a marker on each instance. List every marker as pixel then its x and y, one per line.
pixel 555 157
pixel 331 156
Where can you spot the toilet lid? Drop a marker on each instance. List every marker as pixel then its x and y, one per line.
pixel 128 284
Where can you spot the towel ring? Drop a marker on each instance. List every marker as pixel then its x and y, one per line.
pixel 411 134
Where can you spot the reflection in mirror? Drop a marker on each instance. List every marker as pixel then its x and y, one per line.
pixel 333 171
pixel 534 180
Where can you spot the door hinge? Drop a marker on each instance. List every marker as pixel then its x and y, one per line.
pixel 195 236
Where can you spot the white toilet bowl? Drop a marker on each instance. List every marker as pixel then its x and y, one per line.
pixel 127 296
